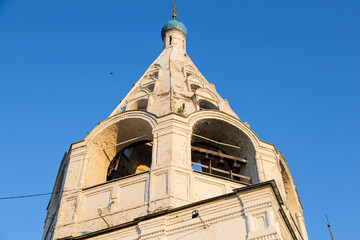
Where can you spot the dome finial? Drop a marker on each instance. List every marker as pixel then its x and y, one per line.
pixel 175 11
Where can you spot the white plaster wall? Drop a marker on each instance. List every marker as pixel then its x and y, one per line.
pixel 252 215
pixel 123 200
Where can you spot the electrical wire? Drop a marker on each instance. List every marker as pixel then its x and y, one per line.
pixel 211 140
pixel 132 139
pixel 32 195
pixel 43 194
pixel 25 196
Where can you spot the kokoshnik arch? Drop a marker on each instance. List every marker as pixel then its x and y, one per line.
pixel 174 161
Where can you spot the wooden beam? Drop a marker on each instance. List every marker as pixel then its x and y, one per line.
pixel 203 150
pixel 220 170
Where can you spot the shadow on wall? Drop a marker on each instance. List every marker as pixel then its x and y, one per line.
pixel 126 153
pixel 133 159
pixel 204 104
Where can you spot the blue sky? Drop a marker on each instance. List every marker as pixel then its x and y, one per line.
pixel 290 68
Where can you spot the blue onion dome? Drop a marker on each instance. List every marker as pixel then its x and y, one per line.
pixel 173 24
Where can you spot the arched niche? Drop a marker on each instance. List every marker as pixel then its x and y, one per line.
pixel 112 139
pixel 138 100
pixel 140 104
pixel 194 87
pixel 206 99
pixel 226 134
pixel 205 104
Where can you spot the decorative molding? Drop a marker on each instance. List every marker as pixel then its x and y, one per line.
pixel 221 218
pixel 207 222
pixel 255 207
pixel 272 236
pixel 154 234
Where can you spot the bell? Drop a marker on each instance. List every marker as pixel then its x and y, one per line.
pixel 196 160
pixel 236 167
pixel 220 163
pixel 206 159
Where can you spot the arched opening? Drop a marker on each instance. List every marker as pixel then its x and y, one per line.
pixel 133 159
pixel 204 104
pixel 221 149
pixel 130 137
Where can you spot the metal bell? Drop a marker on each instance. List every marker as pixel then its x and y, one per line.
pixel 206 159
pixel 236 167
pixel 220 163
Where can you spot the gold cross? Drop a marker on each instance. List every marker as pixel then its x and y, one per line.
pixel 175 11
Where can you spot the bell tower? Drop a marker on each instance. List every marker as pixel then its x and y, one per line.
pixel 173 161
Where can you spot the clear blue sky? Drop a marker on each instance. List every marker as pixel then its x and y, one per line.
pixel 290 68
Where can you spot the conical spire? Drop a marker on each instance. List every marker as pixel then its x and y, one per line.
pixel 172 83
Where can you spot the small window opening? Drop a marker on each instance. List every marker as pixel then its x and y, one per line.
pixel 203 104
pixel 133 159
pixel 194 87
pixel 170 40
pixel 150 87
